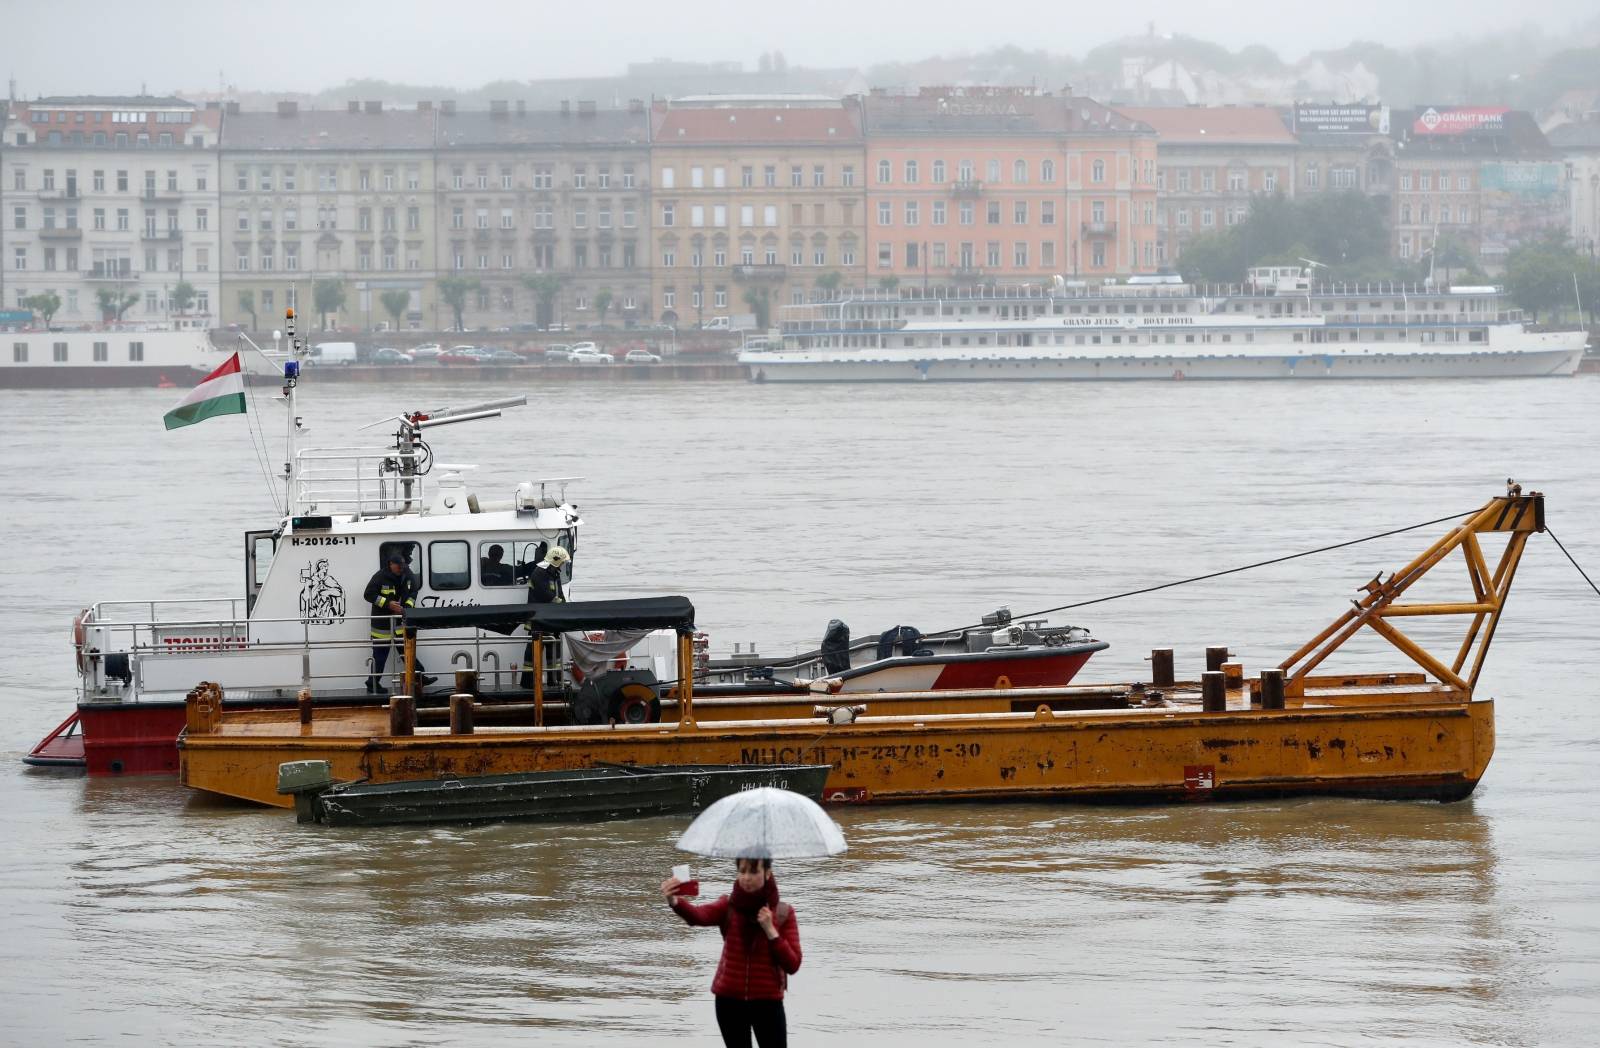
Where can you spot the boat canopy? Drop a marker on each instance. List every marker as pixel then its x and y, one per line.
pixel 642 613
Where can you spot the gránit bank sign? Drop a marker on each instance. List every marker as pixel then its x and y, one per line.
pixel 1460 120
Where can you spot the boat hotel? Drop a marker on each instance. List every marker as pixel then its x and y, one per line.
pixel 1278 324
pixel 1420 732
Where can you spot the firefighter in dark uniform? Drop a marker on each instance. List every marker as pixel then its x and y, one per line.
pixel 544 587
pixel 391 589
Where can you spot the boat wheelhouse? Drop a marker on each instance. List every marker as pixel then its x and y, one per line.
pixel 1278 324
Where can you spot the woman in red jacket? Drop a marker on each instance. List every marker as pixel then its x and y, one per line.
pixel 760 950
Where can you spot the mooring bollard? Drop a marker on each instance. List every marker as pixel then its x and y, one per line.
pixel 1213 692
pixel 1162 674
pixel 461 715
pixel 467 683
pixel 303 701
pixel 1272 689
pixel 1233 675
pixel 1216 655
pixel 402 715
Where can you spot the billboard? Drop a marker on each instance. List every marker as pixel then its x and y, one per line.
pixel 1311 119
pixel 1522 179
pixel 1460 120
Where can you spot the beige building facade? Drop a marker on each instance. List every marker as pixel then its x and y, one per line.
pixel 546 214
pixel 341 197
pixel 758 204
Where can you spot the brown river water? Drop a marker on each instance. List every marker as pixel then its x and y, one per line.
pixel 132 912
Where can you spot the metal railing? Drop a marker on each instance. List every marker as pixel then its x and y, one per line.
pixel 365 481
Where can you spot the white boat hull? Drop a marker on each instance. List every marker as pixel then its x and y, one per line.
pixel 904 366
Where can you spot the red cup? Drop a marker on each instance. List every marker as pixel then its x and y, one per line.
pixel 688 889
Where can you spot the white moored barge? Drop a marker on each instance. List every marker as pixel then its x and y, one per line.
pixel 1277 325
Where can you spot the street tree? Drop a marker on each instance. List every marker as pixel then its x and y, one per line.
pixel 829 282
pixel 760 302
pixel 395 303
pixel 47 304
pixel 183 296
pixel 247 304
pixel 602 304
pixel 327 295
pixel 453 290
pixel 545 288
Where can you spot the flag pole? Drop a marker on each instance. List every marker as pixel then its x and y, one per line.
pixel 291 379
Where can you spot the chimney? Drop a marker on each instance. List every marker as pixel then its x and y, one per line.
pixel 233 108
pixel 288 108
pixel 499 107
pixel 424 106
pixel 566 107
pixel 448 107
pixel 586 107
pixel 635 105
pixel 374 107
pixel 352 106
pixel 522 107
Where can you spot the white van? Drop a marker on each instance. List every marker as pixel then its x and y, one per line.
pixel 333 353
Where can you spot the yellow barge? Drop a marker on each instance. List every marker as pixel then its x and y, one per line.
pixel 1288 731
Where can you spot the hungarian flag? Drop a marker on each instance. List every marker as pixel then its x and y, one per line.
pixel 222 393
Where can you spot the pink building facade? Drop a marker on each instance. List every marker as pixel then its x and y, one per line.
pixel 1005 185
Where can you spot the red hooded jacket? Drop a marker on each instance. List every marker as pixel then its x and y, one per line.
pixel 752 968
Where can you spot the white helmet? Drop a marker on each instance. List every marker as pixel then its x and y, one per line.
pixel 557 557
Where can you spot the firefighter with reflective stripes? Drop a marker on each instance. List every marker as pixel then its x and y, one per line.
pixel 391 589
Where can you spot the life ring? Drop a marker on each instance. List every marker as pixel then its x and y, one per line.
pixel 1178 376
pixel 79 635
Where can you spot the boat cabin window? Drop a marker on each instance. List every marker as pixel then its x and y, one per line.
pixel 412 550
pixel 449 565
pixel 495 568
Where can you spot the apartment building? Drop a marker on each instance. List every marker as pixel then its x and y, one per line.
pixel 1579 145
pixel 1211 162
pixel 344 197
pixel 562 194
pixel 758 202
pixel 110 202
pixel 1483 175
pixel 969 185
pixel 1342 148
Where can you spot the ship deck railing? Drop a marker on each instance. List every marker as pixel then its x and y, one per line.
pixel 152 639
pixel 368 482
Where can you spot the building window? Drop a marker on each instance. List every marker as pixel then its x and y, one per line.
pixel 720 298
pixel 819 176
pixel 938 212
pixel 884 172
pixel 797 176
pixel 1020 254
pixel 136 351
pixel 911 212
pixel 885 213
pixel 911 172
pixel 1019 213
pixel 1047 170
pixel 1313 177
pixel 847 176
pixel 1019 172
pixel 667 213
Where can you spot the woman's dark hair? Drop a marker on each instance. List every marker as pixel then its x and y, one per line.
pixel 738 864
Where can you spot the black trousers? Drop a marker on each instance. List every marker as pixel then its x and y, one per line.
pixel 380 655
pixel 736 1019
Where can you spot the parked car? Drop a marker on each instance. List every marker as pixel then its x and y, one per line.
pixel 506 356
pixel 584 347
pixel 525 325
pixel 591 355
pixel 426 351
pixel 641 356
pixel 390 355
pixel 559 353
pixel 466 355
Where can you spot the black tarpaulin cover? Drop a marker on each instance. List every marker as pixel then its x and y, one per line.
pixel 642 613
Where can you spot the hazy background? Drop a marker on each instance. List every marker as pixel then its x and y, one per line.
pixel 78 46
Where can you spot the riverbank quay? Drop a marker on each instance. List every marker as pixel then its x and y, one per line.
pixel 617 374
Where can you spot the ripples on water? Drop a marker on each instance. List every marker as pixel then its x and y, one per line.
pixel 134 911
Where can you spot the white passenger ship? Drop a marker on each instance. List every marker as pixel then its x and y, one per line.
pixel 123 357
pixel 1277 325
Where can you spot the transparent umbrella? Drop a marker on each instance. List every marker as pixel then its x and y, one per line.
pixel 764 823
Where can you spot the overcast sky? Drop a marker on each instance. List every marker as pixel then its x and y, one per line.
pixel 85 47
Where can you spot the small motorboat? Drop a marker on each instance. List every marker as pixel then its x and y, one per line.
pixel 607 791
